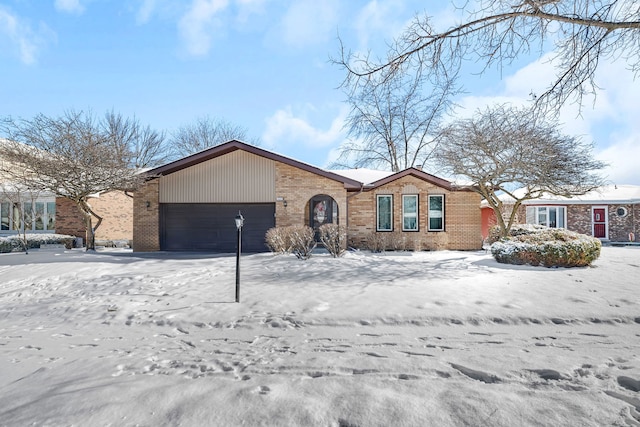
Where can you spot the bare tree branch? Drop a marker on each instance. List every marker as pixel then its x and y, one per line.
pixel 75 156
pixel 394 121
pixel 204 133
pixel 504 148
pixel 496 32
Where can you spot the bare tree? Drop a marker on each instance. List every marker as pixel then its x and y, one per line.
pixel 204 133
pixel 394 121
pixel 146 146
pixel 496 32
pixel 72 156
pixel 502 149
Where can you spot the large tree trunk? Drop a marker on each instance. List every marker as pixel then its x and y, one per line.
pixel 89 228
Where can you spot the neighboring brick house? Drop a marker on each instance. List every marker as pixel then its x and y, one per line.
pixel 43 212
pixel 115 208
pixel 190 204
pixel 52 214
pixel 610 213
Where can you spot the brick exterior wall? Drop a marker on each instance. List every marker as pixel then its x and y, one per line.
pixel 297 187
pixel 146 219
pixel 462 220
pixel 620 227
pixel 356 211
pixel 69 220
pixel 115 208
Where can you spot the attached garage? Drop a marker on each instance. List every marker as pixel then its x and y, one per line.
pixel 210 227
pixel 191 204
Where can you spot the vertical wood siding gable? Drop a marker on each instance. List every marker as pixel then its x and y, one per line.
pixel 236 177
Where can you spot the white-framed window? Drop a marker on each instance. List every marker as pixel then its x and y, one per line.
pixel 410 212
pixel 37 215
pixel 621 211
pixel 384 212
pixel 551 216
pixel 436 212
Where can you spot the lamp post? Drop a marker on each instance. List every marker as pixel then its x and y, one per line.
pixel 239 224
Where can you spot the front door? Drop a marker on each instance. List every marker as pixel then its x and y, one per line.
pixel 321 212
pixel 600 222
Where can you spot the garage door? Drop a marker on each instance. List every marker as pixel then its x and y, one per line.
pixel 208 227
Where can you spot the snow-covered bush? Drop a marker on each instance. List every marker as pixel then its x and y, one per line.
pixel 334 238
pixel 303 240
pixel 550 247
pixel 296 239
pixel 16 242
pixel 278 240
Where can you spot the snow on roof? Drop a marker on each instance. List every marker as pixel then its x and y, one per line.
pixel 363 175
pixel 608 194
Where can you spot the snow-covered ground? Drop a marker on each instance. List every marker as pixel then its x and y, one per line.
pixel 397 339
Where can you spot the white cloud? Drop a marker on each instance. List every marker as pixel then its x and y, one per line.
pixel 246 8
pixel 69 6
pixel 22 37
pixel 197 27
pixel 609 119
pixel 309 22
pixel 146 10
pixel 622 157
pixel 285 128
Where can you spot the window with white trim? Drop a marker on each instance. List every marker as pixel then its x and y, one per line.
pixel 436 212
pixel 39 215
pixel 384 214
pixel 550 216
pixel 409 212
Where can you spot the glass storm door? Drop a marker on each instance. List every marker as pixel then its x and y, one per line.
pixel 321 212
pixel 599 223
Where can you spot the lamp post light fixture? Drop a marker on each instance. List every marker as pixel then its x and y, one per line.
pixel 239 224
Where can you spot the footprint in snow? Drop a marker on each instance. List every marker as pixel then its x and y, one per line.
pixel 476 375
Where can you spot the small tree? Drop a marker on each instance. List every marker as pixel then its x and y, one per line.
pixel 502 149
pixel 73 156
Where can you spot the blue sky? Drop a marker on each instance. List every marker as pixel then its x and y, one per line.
pixel 261 64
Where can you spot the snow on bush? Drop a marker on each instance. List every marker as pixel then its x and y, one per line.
pixel 278 240
pixel 16 242
pixel 296 239
pixel 550 247
pixel 334 239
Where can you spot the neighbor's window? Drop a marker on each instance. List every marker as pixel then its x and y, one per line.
pixel 621 211
pixel 550 216
pixel 35 216
pixel 385 213
pixel 4 216
pixel 436 213
pixel 410 212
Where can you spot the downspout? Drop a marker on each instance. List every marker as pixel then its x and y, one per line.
pixel 347 208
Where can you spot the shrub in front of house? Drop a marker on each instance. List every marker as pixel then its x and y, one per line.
pixel 303 241
pixel 278 240
pixel 16 242
pixel 376 242
pixel 296 239
pixel 549 247
pixel 334 238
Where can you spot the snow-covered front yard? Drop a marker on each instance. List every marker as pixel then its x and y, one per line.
pixel 404 339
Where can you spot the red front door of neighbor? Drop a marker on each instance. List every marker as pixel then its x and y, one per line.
pixel 599 223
